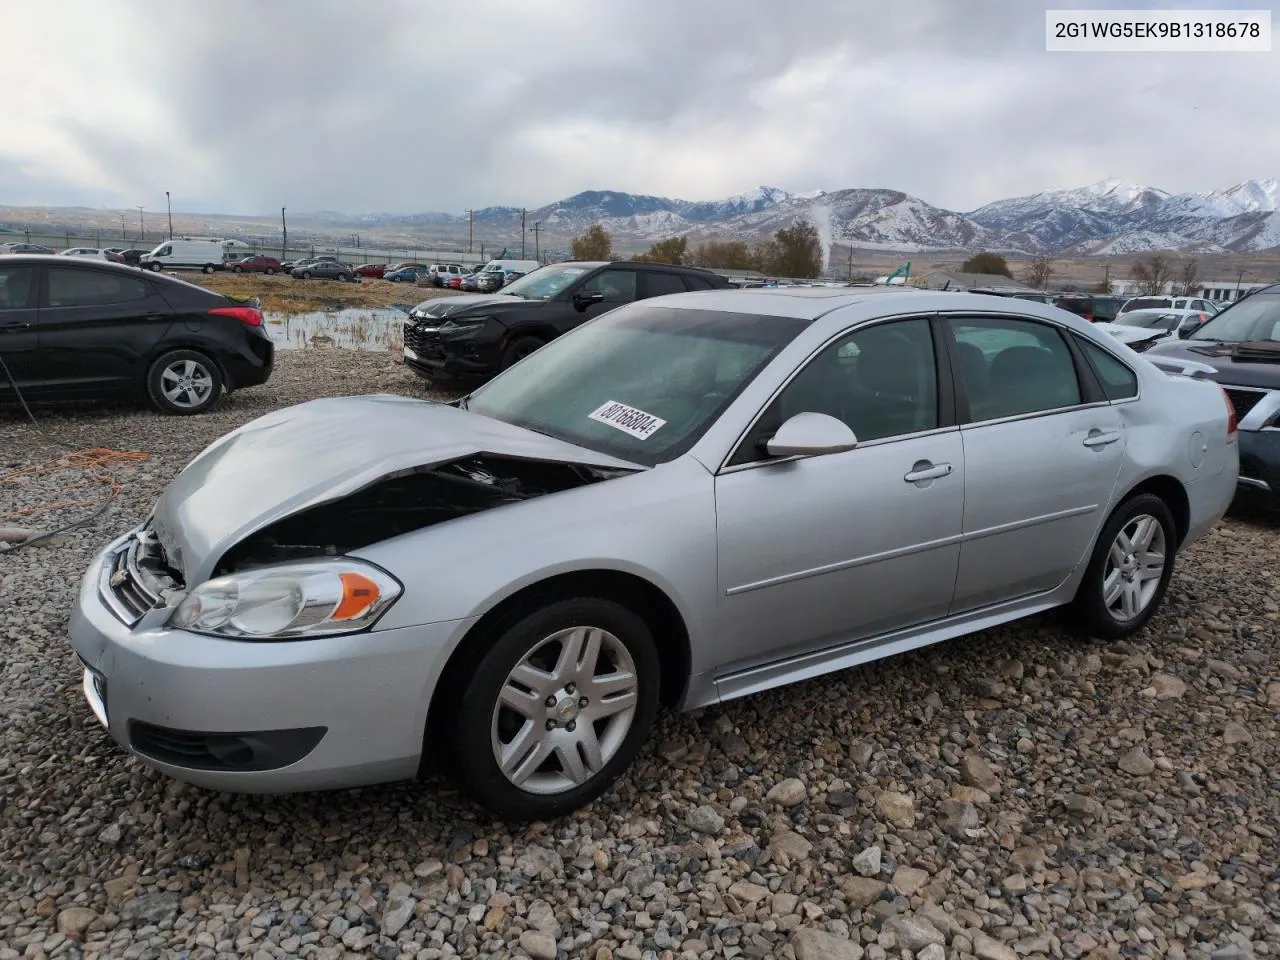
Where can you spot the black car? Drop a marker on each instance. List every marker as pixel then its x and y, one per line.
pixel 130 256
pixel 1095 309
pixel 90 328
pixel 1242 346
pixel 324 270
pixel 473 337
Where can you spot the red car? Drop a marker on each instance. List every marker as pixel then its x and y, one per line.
pixel 255 264
pixel 371 270
pixel 454 283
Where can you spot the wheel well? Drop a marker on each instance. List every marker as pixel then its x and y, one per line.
pixel 635 593
pixel 1174 496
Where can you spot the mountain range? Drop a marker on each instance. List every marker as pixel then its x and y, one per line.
pixel 1109 217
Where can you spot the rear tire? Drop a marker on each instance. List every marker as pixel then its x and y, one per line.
pixel 306 274
pixel 270 271
pixel 184 383
pixel 518 349
pixel 1123 587
pixel 208 268
pixel 599 720
pixel 394 279
pixel 343 278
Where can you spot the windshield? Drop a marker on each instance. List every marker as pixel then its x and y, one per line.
pixel 1148 318
pixel 642 382
pixel 1254 318
pixel 545 282
pixel 1145 303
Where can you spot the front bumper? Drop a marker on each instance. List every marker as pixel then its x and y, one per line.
pixel 1260 464
pixel 314 714
pixel 465 359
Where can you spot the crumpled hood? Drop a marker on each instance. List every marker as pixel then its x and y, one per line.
pixel 1130 334
pixel 1243 371
pixel 443 307
pixel 308 454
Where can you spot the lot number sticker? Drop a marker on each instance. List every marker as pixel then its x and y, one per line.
pixel 627 419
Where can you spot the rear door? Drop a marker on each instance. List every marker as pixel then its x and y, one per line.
pixel 1042 449
pixel 19 340
pixel 659 283
pixel 98 328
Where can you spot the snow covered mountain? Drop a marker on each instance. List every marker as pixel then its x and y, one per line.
pixel 1108 217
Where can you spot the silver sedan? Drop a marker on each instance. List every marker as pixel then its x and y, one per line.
pixel 685 500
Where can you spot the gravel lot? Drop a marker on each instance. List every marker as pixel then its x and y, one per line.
pixel 1019 793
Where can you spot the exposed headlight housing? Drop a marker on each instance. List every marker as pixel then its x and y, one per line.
pixel 290 601
pixel 462 323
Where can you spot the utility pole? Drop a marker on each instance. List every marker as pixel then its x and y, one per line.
pixel 522 233
pixel 471 229
pixel 537 251
pixel 284 235
pixel 142 226
pixel 169 206
pixel 851 263
pixel 1239 282
pixel 124 229
pixel 1106 278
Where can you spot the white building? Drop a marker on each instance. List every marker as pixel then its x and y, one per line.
pixel 1223 290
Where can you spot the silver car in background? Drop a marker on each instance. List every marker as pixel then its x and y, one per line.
pixel 686 500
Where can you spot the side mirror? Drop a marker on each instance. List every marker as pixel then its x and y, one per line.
pixel 811 435
pixel 583 300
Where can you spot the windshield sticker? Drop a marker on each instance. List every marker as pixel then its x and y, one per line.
pixel 627 419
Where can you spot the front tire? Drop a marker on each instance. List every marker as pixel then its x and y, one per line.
pixel 394 279
pixel 184 383
pixel 153 266
pixel 237 269
pixel 270 271
pixel 557 709
pixel 306 274
pixel 208 268
pixel 343 278
pixel 518 349
pixel 1129 571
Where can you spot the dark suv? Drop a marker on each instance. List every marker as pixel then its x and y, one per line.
pixel 1242 346
pixel 1095 309
pixel 474 337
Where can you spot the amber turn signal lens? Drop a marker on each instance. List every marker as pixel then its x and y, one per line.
pixel 359 593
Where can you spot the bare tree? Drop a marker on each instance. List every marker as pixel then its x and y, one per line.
pixel 1189 281
pixel 1039 271
pixel 1152 274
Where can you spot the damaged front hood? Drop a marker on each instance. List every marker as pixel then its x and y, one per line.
pixel 443 307
pixel 1126 334
pixel 308 454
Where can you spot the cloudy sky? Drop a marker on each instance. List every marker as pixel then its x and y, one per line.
pixel 403 105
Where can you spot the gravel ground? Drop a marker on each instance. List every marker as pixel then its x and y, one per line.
pixel 1018 793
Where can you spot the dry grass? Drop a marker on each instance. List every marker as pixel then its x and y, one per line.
pixel 286 295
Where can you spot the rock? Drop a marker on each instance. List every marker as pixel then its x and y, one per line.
pixel 932 951
pixel 74 921
pixel 907 880
pixel 841 799
pixel 493 918
pixel 967 794
pixel 543 918
pixel 673 750
pixel 1235 733
pixel 989 949
pixel 1167 687
pixel 861 892
pixel 1273 695
pixel 538 945
pixel 914 933
pixel 705 819
pixel 942 921
pixel 811 944
pixel 867 863
pixel 734 747
pixel 537 862
pixel 787 793
pixel 748 892
pixel 1137 763
pixel 861 753
pixel 110 834
pixel 1015 885
pixel 118 888
pixel 1197 880
pixel 787 847
pixel 151 908
pixel 959 818
pixel 897 808
pixel 784 903
pixel 397 914
pixel 976 772
pixel 1084 806
pixel 1030 859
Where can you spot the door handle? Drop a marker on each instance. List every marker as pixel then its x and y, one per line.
pixel 13 325
pixel 924 470
pixel 1098 438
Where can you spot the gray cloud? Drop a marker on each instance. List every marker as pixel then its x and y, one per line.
pixel 319 104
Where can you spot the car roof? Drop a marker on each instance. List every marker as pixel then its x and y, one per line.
pixel 810 303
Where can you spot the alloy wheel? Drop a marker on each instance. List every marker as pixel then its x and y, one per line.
pixel 1134 568
pixel 564 710
pixel 186 383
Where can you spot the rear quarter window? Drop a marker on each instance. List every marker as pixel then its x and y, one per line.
pixel 1118 381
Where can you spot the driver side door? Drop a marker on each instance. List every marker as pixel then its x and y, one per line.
pixel 616 285
pixel 818 552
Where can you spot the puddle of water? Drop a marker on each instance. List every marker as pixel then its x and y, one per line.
pixel 355 328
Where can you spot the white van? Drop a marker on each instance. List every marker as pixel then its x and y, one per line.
pixel 206 255
pixel 513 266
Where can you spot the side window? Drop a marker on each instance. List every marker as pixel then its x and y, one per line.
pixel 661 284
pixel 696 283
pixel 17 287
pixel 618 286
pixel 1013 367
pixel 76 288
pixel 882 381
pixel 1118 381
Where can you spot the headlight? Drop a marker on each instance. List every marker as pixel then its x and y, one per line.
pixel 463 323
pixel 322 598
